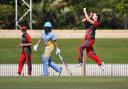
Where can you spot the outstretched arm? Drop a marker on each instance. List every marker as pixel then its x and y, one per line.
pixel 88 17
pixel 84 19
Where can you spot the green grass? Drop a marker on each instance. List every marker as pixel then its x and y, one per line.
pixel 108 50
pixel 63 83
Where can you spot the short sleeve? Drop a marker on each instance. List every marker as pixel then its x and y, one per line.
pixel 96 24
pixel 28 38
pixel 53 37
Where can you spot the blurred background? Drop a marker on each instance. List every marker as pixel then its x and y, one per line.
pixel 65 14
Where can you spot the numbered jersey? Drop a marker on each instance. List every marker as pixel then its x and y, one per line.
pixel 48 38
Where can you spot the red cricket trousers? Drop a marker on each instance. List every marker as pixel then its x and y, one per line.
pixel 25 57
pixel 87 44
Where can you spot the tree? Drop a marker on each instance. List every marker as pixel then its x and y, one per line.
pixel 6 14
pixel 122 8
pixel 67 13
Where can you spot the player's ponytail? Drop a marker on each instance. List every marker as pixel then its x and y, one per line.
pixel 99 17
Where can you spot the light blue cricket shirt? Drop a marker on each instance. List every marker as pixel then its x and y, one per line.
pixel 47 37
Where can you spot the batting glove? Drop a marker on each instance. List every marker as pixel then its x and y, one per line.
pixel 57 51
pixel 35 47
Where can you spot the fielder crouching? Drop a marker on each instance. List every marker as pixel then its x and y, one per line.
pixel 49 40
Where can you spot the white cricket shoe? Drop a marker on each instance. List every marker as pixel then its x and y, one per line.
pixel 17 75
pixel 102 66
pixel 45 75
pixel 79 65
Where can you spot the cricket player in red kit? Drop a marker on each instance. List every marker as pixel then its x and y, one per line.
pixel 26 53
pixel 92 22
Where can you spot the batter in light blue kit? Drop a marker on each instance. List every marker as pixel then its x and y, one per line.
pixel 49 40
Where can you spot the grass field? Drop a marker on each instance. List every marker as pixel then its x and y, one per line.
pixel 63 83
pixel 109 50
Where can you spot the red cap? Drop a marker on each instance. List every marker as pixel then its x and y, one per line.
pixel 23 28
